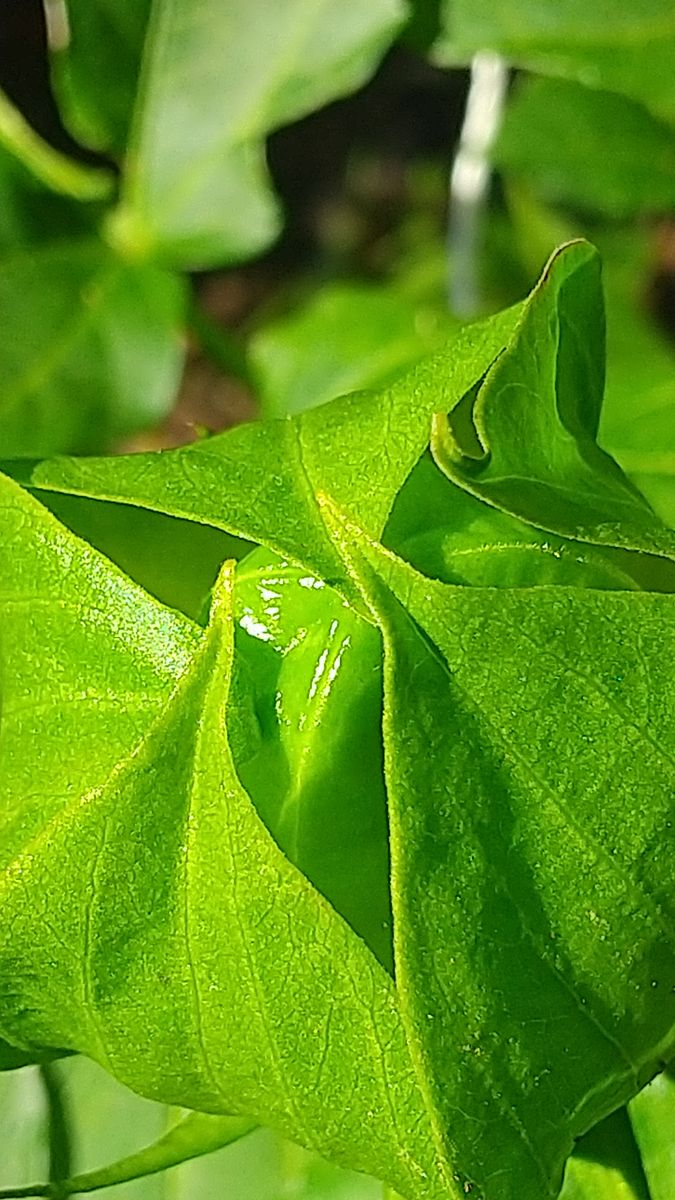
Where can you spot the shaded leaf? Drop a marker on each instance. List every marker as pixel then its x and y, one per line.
pixel 606 1164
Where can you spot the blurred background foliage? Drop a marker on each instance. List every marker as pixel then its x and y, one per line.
pixel 214 211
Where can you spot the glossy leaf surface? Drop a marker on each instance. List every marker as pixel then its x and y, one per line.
pixel 167 865
pixel 525 738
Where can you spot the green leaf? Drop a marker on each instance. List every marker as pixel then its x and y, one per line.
pixel 176 561
pixel 524 439
pixel 531 881
pixel 215 82
pixel 90 348
pixel 93 671
pixel 652 1115
pixel 96 57
pixel 192 1136
pixel 589 148
pixel 260 481
pixel 606 1164
pixel 54 170
pixel 627 48
pixel 23 1117
pixel 638 420
pixel 308 665
pixel 166 905
pixel 347 337
pixel 449 534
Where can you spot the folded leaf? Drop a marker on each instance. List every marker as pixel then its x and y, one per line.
pixel 524 439
pixel 530 775
pixel 152 909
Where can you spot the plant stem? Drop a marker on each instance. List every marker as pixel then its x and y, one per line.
pixel 58 1124
pixel 219 344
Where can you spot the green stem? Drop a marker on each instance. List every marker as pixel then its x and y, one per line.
pixel 221 346
pixel 34 1189
pixel 58 1124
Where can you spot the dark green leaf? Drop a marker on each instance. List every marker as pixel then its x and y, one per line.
pixel 606 1164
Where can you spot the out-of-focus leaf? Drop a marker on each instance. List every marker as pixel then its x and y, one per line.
pixel 90 349
pixel 627 47
pixel 638 419
pixel 591 148
pixel 216 80
pixel 652 1116
pixel 347 337
pixel 54 170
pixel 192 1136
pixel 96 58
pixel 606 1164
pixel 23 1114
pixel 32 215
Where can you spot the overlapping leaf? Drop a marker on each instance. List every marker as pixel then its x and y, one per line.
pixel 149 918
pixel 260 481
pixel 530 774
pixel 145 906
